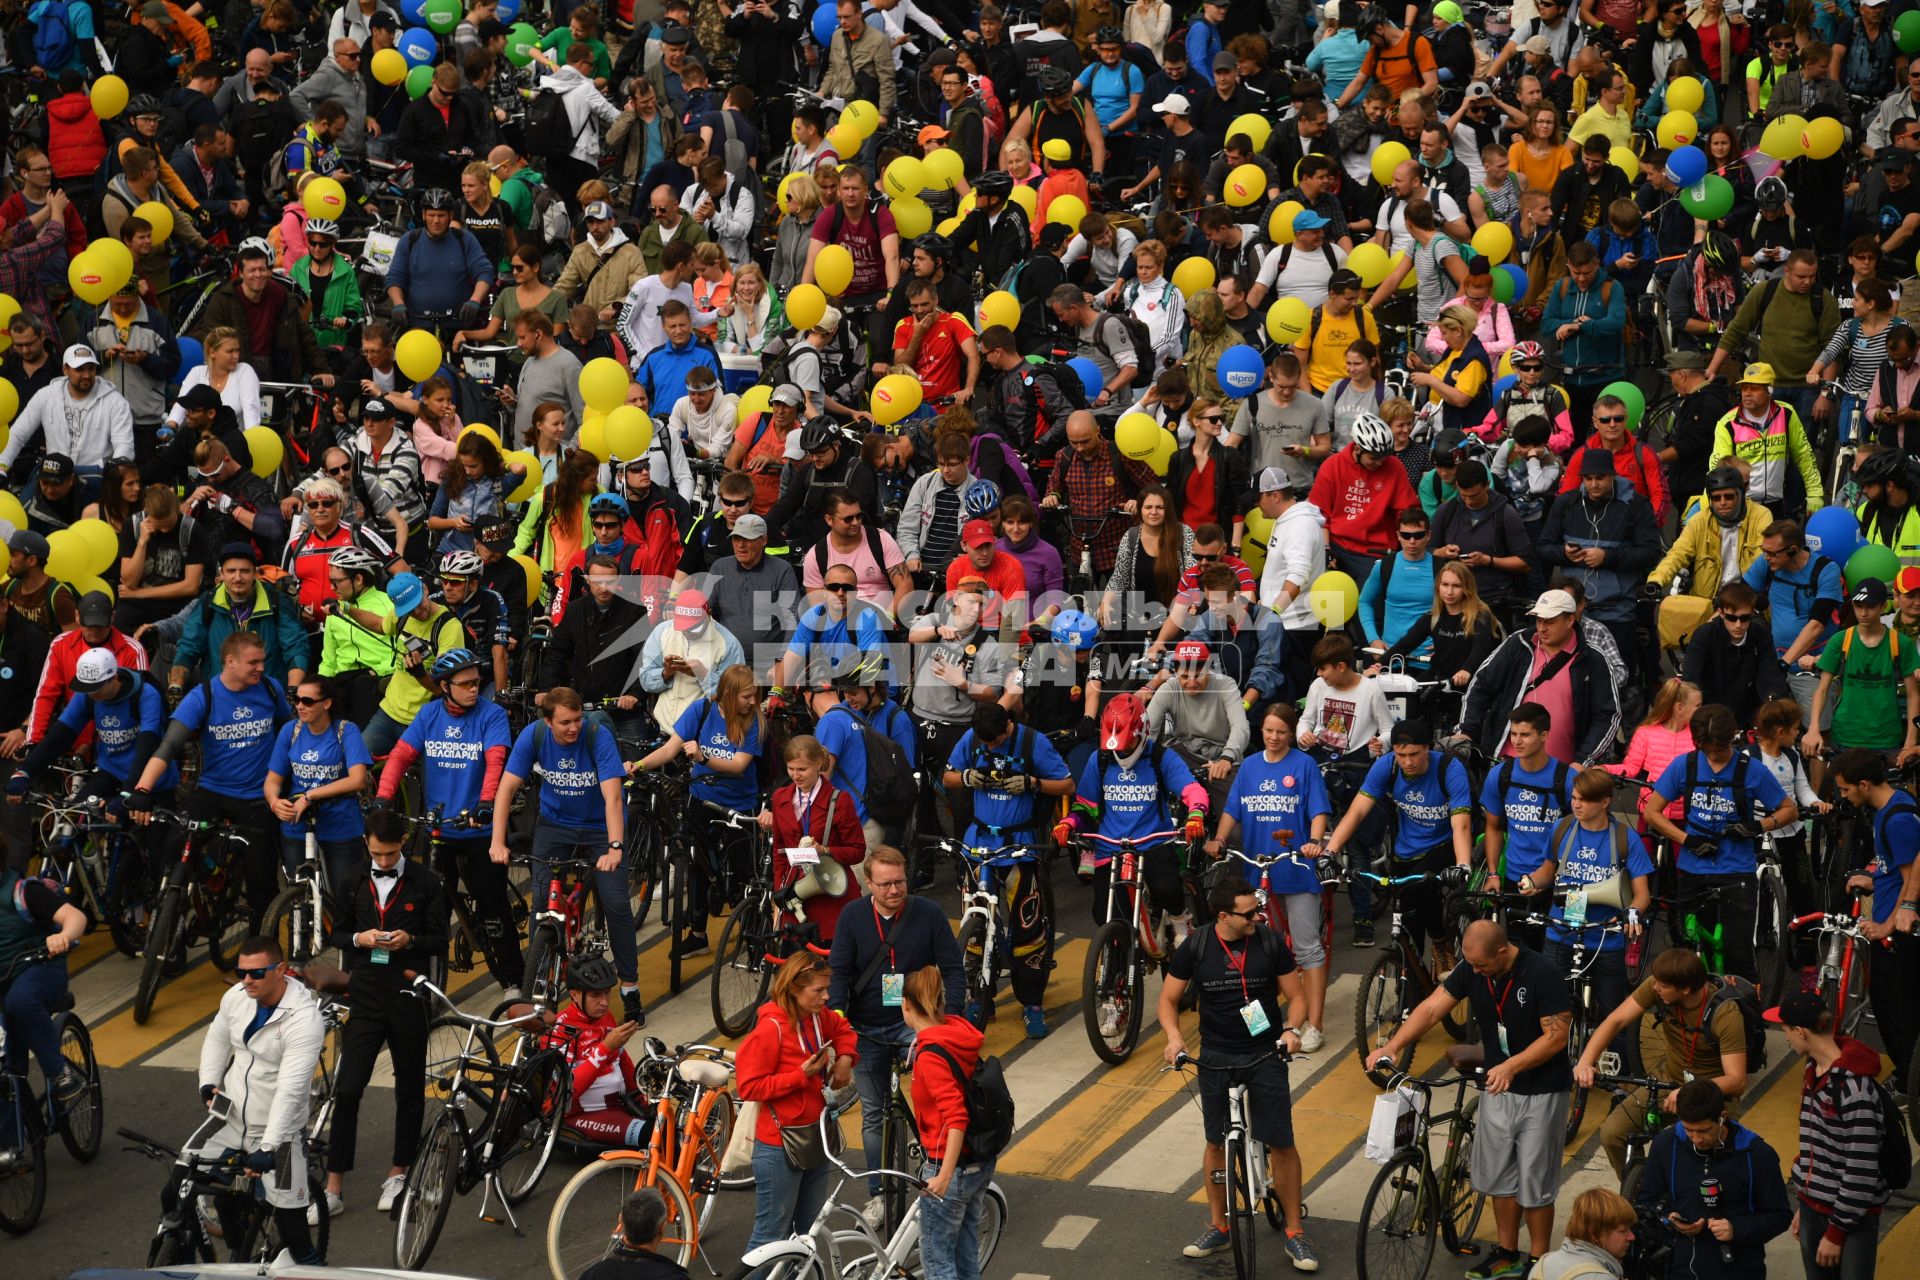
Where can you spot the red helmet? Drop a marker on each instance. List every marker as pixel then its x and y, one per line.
pixel 1122 725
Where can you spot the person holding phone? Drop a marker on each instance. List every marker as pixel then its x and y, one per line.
pixel 1716 1185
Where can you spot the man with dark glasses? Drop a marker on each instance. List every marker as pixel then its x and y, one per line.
pixel 1713 549
pixel 1729 657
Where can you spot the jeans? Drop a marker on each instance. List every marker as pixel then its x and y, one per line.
pixel 785 1199
pixel 1856 1255
pixel 610 886
pixel 873 1081
pixel 381 732
pixel 950 1226
pixel 27 1014
pixel 1608 970
pixel 343 860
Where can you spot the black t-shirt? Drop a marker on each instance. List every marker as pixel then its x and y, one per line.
pixel 1228 979
pixel 489 228
pixel 1532 990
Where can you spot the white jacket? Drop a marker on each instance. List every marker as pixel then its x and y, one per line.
pixel 250 1071
pixel 731 223
pixel 711 432
pixel 1296 552
pixel 585 105
pixel 89 431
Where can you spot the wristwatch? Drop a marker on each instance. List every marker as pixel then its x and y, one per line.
pixel 614 846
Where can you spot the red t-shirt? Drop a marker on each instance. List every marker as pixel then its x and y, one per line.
pixel 862 240
pixel 1197 503
pixel 941 364
pixel 1005 577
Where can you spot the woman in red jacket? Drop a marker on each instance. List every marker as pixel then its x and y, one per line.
pixel 76 144
pixel 785 1064
pixel 946 1050
pixel 815 815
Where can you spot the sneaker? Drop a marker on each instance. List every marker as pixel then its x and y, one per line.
pixel 694 944
pixel 69 1087
pixel 1109 1019
pixel 390 1192
pixel 1086 866
pixel 512 995
pixel 1311 1038
pixel 875 1214
pixel 1211 1241
pixel 1301 1252
pixel 1499 1265
pixel 1182 928
pixel 336 1205
pixel 1036 1019
pixel 1363 933
pixel 631 1006
pixel 977 1013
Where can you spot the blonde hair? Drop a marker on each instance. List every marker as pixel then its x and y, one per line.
pixel 926 991
pixel 734 681
pixel 1016 149
pixel 220 337
pixel 1459 316
pixel 1471 605
pixel 1395 410
pixel 805 746
pixel 1667 699
pixel 803 196
pixel 710 254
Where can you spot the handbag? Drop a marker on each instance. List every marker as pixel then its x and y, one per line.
pixel 738 1159
pixel 802 1142
pixel 1391 1126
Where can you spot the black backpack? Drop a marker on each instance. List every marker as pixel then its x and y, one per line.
pixel 892 792
pixel 1143 357
pixel 990 1116
pixel 1746 997
pixel 1066 378
pixel 547 124
pixel 1896 1151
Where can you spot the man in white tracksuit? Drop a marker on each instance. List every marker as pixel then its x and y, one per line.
pixel 82 417
pixel 1296 555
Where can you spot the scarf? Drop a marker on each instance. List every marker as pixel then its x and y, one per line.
pixel 1724 31
pixel 1713 293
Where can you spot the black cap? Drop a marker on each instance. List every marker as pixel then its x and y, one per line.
pixel 674 35
pixel 383 20
pixel 238 551
pixel 1870 591
pixel 96 609
pixel 1803 1009
pixel 56 466
pixel 376 408
pixel 497 536
pixel 1597 462
pixel 200 397
pixel 488 28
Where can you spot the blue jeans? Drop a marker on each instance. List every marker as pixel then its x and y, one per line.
pixel 785 1199
pixel 27 1013
pixel 873 1080
pixel 611 886
pixel 950 1226
pixel 381 733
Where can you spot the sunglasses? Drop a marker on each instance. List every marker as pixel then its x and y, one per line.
pixel 1248 916
pixel 606 524
pixel 1737 617
pixel 301 700
pixel 1205 559
pixel 1780 44
pixel 321 504
pixel 256 975
pixel 347 470
pixel 840 588
pixel 1412 535
pixel 471 682
pixel 855 518
pixel 1530 368
pixel 1612 417
pixel 1211 417
pixel 736 502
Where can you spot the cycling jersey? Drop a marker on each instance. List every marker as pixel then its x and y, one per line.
pixel 1713 801
pixel 1272 798
pixel 309 552
pixel 236 729
pixel 308 760
pixel 406 691
pixel 570 774
pixel 703 724
pixel 118 724
pixel 1425 805
pixel 997 812
pixel 452 747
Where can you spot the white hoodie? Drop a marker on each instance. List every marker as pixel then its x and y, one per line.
pixel 1296 552
pixel 585 104
pixel 89 431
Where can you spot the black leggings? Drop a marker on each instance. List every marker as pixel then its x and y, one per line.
pixel 1160 868
pixel 1733 910
pixel 467 861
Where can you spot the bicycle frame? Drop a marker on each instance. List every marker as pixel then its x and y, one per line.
pixel 1125 878
pixel 1841 949
pixel 980 885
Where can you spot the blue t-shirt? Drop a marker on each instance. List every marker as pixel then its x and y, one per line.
pixel 1791 594
pixel 1536 799
pixel 996 813
pixel 1111 89
pixel 1711 806
pixel 1586 858
pixel 1271 796
pixel 308 760
pixel 118 724
pixel 840 642
pixel 1425 805
pixel 236 734
pixel 1133 802
pixel 891 719
pixel 453 749
pixel 702 723
pixel 570 776
pixel 1896 839
pixel 839 732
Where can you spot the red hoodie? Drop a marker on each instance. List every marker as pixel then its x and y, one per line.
pixel 56 678
pixel 766 1067
pixel 940 1097
pixel 76 145
pixel 1362 507
pixel 1633 460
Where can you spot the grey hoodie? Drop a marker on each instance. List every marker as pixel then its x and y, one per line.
pixel 330 82
pixel 1575 1257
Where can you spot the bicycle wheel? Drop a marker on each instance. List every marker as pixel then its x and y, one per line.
pixel 644 862
pixel 320 1086
pixel 161 939
pixel 130 902
pixel 1462 1207
pixel 446 1046
pixel 710 1139
pixel 23 1187
pixel 286 922
pixel 230 925
pixel 1577 1034
pixel 546 967
pixel 797 1262
pixel 264 1243
pixel 1855 977
pixel 1398 1221
pixel 527 1124
pixel 1631 1177
pixel 741 970
pixel 80 1120
pixel 429 1194
pixel 1380 1009
pixel 1772 938
pixel 584 1226
pixel 980 980
pixel 896 1140
pixel 1240 1208
pixel 1112 1007
pixel 1913 1089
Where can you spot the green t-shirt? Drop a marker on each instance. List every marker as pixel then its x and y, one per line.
pixel 559 41
pixel 1869 704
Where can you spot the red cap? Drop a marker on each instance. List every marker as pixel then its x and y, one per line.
pixel 976 533
pixel 689 609
pixel 1908 579
pixel 1191 653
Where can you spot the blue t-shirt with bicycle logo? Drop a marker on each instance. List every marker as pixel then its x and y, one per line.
pixel 704 724
pixel 453 748
pixel 118 724
pixel 308 760
pixel 1424 805
pixel 1586 858
pixel 236 734
pixel 1712 806
pixel 996 810
pixel 1133 802
pixel 1274 796
pixel 1535 800
pixel 570 774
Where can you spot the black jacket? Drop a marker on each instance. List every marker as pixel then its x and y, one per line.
pixel 1623 528
pixel 1009 241
pixel 417 906
pixel 919 936
pixel 634 1264
pixel 435 145
pixel 142 62
pixel 1691 436
pixel 1498 684
pixel 1496 529
pixel 1573 193
pixel 1232 492
pixel 597 651
pixel 1741 678
pixel 23 652
pixel 1743 1176
pixel 799 515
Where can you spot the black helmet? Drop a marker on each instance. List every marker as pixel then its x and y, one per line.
pixel 438 198
pixel 1771 193
pixel 143 104
pixel 590 973
pixel 865 672
pixel 1052 82
pixel 1881 466
pixel 938 247
pixel 994 184
pixel 1719 251
pixel 1370 21
pixel 818 435
pixel 1108 35
pixel 1725 478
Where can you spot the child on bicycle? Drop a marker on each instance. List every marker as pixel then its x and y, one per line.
pixel 1346 716
pixel 808 817
pixel 605 1109
pixel 1588 848
pixel 1775 731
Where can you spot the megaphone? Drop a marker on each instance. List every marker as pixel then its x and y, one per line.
pixel 1615 891
pixel 825 878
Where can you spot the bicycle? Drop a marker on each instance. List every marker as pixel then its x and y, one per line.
pixel 567 924
pixel 87 854
pixel 1652 1121
pixel 1585 1017
pixel 1410 1206
pixel 469 935
pixel 26 1119
pixel 300 918
pixel 505 1152
pixel 751 942
pixel 1844 959
pixel 1244 1169
pixel 200 897
pixel 1115 975
pixel 984 952
pixel 1398 980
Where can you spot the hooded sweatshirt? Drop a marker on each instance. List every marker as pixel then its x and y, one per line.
pixel 940 1097
pixel 767 1068
pixel 1362 507
pixel 1040 561
pixel 1297 552
pixel 1837 1171
pixel 1576 1257
pixel 1742 1175
pixel 89 430
pixel 1210 337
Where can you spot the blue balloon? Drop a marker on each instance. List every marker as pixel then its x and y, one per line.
pixel 192 356
pixel 1239 372
pixel 1833 532
pixel 410 10
pixel 418 46
pixel 507 11
pixel 825 23
pixel 1519 279
pixel 1687 165
pixel 1089 375
pixel 1502 385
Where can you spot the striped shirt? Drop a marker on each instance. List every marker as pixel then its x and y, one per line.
pixel 1838 1168
pixel 1865 353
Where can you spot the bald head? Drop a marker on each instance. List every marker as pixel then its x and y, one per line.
pixel 1483 940
pixel 258 65
pixel 503 157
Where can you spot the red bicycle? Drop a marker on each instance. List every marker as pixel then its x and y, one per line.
pixel 1123 949
pixel 1844 959
pixel 570 921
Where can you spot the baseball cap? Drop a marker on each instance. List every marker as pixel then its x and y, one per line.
pixel 96 609
pixel 1892 160
pixel 750 526
pixel 1803 1009
pixel 674 35
pixel 1174 103
pixel 599 211
pixel 497 536
pixel 972 582
pixel 406 591
pixel 157 12
pixel 199 398
pixel 1274 480
pixel 1758 373
pixel 788 394
pixel 376 408
pixel 1694 360
pixel 95 670
pixel 238 551
pixel 1190 653
pixel 977 533
pixel 1908 579
pixel 1597 462
pixel 26 542
pixel 1870 591
pixel 1554 604
pixel 1224 61
pixel 932 133
pixel 79 354
pixel 1055 234
pixel 1479 89
pixel 1537 45
pixel 689 610
pixel 1308 220
pixel 56 466
pixel 383 20
pixel 488 28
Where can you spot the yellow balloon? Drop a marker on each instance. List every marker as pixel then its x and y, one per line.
pixel 530 482
pixel 972 198
pixel 1822 137
pixel 1387 157
pixel 805 305
pixel 94 582
pixel 755 400
pixel 1677 129
pixel 115 259
pixel 944 167
pixel 159 217
pixel 1067 211
pixel 845 140
pixel 946 228
pixel 87 277
pixel 481 429
pixel 1245 185
pixel 1280 221
pixel 862 115
pixel 9 308
pixel 629 431
pixel 833 270
pixel 911 216
pixel 1192 275
pixel 1494 242
pixel 418 354
pixel 1163 452
pixel 603 385
pixel 66 555
pixel 1000 307
pixel 109 96
pixel 267 450
pixel 593 435
pixel 1287 320
pixel 780 192
pixel 1782 138
pixel 1253 548
pixel 904 177
pixel 1023 195
pixel 1137 434
pixel 102 543
pixel 9 402
pixel 531 568
pixel 1685 94
pixel 11 512
pixel 1369 262
pixel 1505 366
pixel 389 66
pixel 1408 282
pixel 1333 598
pixel 1625 161
pixel 324 198
pixel 1255 127
pixel 894 397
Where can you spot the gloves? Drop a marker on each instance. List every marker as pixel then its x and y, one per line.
pixel 472 315
pixel 260 1161
pixel 1703 846
pixel 1196 825
pixel 19 783
pixel 203 218
pixel 1016 784
pixel 139 800
pixel 1087 730
pixel 379 804
pixel 834 104
pixel 483 816
pixel 976 779
pixel 398 317
pixel 776 701
pixel 207 1092
pixel 1741 830
pixel 1062 832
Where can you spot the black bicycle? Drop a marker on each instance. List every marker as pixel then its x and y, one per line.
pixel 201 897
pixel 26 1117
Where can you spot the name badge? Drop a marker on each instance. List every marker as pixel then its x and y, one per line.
pixel 805 855
pixel 1576 910
pixel 382 956
pixel 1504 1051
pixel 893 989
pixel 1255 1016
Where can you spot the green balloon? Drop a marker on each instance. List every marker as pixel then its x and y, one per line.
pixel 1906 32
pixel 441 16
pixel 1502 287
pixel 419 80
pixel 1636 400
pixel 522 40
pixel 1711 197
pixel 1872 560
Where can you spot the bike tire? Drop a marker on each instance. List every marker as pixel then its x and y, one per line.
pixel 978 966
pixel 23 1192
pixel 1913 1090
pixel 1240 1210
pixel 546 977
pixel 81 1122
pixel 232 925
pixel 1577 1035
pixel 1631 1177
pixel 1856 992
pixel 320 1086
pixel 896 1142
pixel 797 1263
pixel 531 1109
pixel 584 1225
pixel 446 1041
pixel 1772 936
pixel 429 1194
pixel 161 936
pixel 1399 1221
pixel 171 1250
pixel 1460 1215
pixel 280 924
pixel 741 971
pixel 1112 983
pixel 128 933
pixel 1381 1008
pixel 644 863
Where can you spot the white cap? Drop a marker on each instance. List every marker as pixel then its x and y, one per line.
pixel 1174 102
pixel 1554 604
pixel 96 669
pixel 79 354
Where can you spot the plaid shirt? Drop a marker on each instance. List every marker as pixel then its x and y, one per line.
pixel 503 91
pixel 20 270
pixel 1093 493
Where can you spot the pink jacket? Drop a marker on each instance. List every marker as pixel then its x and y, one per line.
pixel 1651 750
pixel 293 235
pixel 1495 330
pixel 435 448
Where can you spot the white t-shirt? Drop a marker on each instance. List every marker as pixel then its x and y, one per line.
pixel 1393 216
pixel 1306 274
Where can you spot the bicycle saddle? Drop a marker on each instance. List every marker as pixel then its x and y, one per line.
pixel 1466 1057
pixel 326 979
pixel 705 1072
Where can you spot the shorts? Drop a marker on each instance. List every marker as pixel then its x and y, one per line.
pixel 1304 914
pixel 1518 1143
pixel 1269 1102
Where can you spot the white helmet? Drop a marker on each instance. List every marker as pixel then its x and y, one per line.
pixel 1371 434
pixel 460 564
pixel 354 560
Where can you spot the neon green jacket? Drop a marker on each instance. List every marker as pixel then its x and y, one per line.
pixel 1768 451
pixel 345 645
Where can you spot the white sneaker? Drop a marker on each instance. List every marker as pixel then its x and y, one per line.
pixel 336 1205
pixel 1182 927
pixel 390 1192
pixel 875 1215
pixel 1109 1020
pixel 1311 1039
pixel 511 995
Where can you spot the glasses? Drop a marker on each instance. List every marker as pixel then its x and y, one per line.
pixel 1412 535
pixel 1248 916
pixel 1612 417
pixel 301 700
pixel 348 54
pixel 1211 417
pixel 1530 368
pixel 886 886
pixel 1206 559
pixel 1775 555
pixel 321 504
pixel 660 210
pixel 854 518
pixel 1780 44
pixel 736 502
pixel 320 242
pixel 1741 618
pixel 606 524
pixel 256 975
pixel 840 588
pixel 346 470
pixel 471 682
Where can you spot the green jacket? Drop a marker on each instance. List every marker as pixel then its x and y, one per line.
pixel 341 297
pixel 348 646
pixel 1795 330
pixel 517 194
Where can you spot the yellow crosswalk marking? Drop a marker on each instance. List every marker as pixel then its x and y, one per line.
pixel 183 1003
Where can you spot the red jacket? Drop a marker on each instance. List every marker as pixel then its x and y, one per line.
pixel 589 1056
pixel 15 211
pixel 846 842
pixel 1634 462
pixel 940 1097
pixel 56 678
pixel 1362 507
pixel 76 145
pixel 766 1068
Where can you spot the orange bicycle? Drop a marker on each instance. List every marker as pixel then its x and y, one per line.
pixel 693 1123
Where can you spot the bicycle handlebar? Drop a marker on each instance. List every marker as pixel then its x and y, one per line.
pixel 1133 842
pixel 531 1018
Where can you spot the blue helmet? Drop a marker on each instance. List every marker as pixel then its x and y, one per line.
pixel 609 502
pixel 981 497
pixel 1075 629
pixel 452 663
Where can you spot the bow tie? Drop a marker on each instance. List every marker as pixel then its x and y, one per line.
pixel 390 874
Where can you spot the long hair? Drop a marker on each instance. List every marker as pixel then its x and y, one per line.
pixel 799 969
pixel 472 445
pixel 563 496
pixel 1667 699
pixel 1472 607
pixel 1167 565
pixel 734 681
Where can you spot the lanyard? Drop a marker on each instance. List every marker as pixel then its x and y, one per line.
pixel 380 906
pixel 1499 1001
pixel 800 1034
pixel 1688 1042
pixel 881 930
pixel 1239 968
pixel 806 812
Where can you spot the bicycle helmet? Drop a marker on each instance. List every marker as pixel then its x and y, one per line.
pixel 452 663
pixel 1771 193
pixel 1052 82
pixel 254 245
pixel 1369 23
pixel 322 227
pixel 590 973
pixel 865 672
pixel 460 564
pixel 438 198
pixel 981 497
pixel 1719 251
pixel 1108 35
pixel 1122 725
pixel 1075 629
pixel 1525 351
pixel 1448 445
pixel 994 184
pixel 818 436
pixel 936 246
pixel 1881 466
pixel 1726 478
pixel 354 560
pixel 143 104
pixel 1371 434
pixel 608 502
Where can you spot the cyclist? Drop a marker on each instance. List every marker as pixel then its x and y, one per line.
pixel 1008 767
pixel 315 775
pixel 582 810
pixel 601 1109
pixel 1588 848
pixel 1057 689
pixel 1524 797
pixel 127 714
pixel 1243 972
pixel 681 662
pixel 96 631
pixel 235 716
pixel 439 275
pixel 37 915
pixel 422 630
pixel 595 650
pixel 239 602
pixel 1868 691
pixel 1893 873
pixel 461 742
pixel 615 537
pixel 392 923
pixel 481 611
pixel 354 655
pixel 1200 714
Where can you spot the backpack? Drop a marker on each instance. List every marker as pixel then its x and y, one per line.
pixel 1068 380
pixel 1896 1153
pixel 1564 827
pixel 1771 288
pixel 275 180
pixel 548 122
pixel 892 792
pixel 1846 646
pixel 990 1112
pixel 1742 805
pixel 1143 358
pixel 1746 997
pixel 548 221
pixel 1010 463
pixel 54 45
pixel 1561 772
pixel 1812 587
